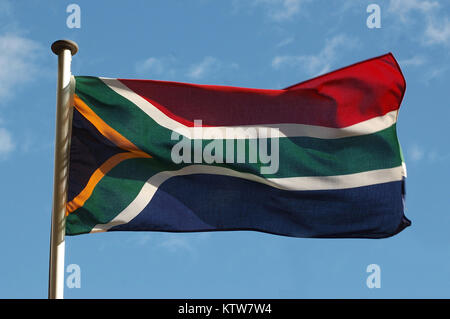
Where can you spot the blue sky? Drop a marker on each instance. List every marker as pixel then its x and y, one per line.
pixel 251 43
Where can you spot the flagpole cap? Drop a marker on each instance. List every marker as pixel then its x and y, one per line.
pixel 61 45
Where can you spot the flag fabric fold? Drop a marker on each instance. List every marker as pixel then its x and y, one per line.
pixel 318 159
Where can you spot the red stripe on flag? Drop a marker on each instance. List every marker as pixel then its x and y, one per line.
pixel 338 99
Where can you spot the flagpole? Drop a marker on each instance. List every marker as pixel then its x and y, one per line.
pixel 64 49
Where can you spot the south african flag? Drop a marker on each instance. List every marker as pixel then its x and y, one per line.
pixel 318 159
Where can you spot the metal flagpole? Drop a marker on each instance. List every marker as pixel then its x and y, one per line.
pixel 64 49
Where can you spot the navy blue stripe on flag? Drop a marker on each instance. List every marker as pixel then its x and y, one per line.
pixel 203 202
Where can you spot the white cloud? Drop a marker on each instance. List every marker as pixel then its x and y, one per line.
pixel 405 7
pixel 318 63
pixel 200 70
pixel 209 66
pixel 162 67
pixel 277 10
pixel 434 73
pixel 152 64
pixel 426 15
pixel 413 61
pixel 17 66
pixel 416 153
pixel 285 42
pixel 6 142
pixel 17 57
pixel 438 33
pixel 280 10
pixel 168 68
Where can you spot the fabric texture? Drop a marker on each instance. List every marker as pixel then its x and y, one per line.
pixel 338 170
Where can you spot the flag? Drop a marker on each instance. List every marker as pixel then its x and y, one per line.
pixel 318 159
